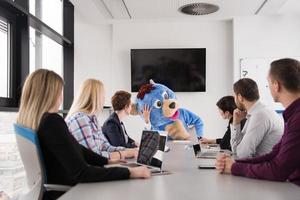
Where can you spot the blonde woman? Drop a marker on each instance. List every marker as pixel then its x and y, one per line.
pixel 66 161
pixel 84 126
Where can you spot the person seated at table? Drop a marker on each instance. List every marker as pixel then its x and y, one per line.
pixel 66 161
pixel 263 128
pixel 283 162
pixel 113 128
pixel 84 126
pixel 226 106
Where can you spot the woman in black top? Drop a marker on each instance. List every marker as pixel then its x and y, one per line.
pixel 113 128
pixel 66 162
pixel 226 107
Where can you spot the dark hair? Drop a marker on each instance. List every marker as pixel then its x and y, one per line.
pixel 120 100
pixel 287 72
pixel 227 104
pixel 247 88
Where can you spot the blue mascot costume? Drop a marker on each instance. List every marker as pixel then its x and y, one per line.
pixel 165 112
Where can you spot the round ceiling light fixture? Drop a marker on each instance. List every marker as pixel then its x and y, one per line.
pixel 198 8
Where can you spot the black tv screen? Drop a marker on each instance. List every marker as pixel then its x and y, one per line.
pixel 182 70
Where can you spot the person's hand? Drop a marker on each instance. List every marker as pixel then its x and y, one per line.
pixel 139 172
pixel 220 162
pixel 207 141
pixel 136 152
pixel 224 163
pixel 146 113
pixel 228 165
pixel 116 161
pixel 131 153
pixel 238 116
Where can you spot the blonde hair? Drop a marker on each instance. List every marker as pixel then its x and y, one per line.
pixel 89 98
pixel 39 94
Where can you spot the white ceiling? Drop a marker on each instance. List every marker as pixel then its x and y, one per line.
pixel 291 6
pixel 153 9
pixel 101 10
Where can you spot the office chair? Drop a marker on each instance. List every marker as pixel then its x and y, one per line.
pixel 30 152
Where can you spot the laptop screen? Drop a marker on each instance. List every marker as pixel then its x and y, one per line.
pixel 197 149
pixel 152 148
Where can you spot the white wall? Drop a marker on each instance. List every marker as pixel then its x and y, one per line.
pixel 92 54
pixel 265 37
pixel 215 36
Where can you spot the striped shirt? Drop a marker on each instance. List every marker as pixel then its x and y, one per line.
pixel 86 130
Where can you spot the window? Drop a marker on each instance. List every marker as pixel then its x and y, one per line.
pixel 12 174
pixel 7 61
pixel 33 35
pixel 45 53
pixel 32 54
pixel 4 58
pixel 48 11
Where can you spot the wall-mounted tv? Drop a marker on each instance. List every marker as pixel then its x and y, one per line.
pixel 182 70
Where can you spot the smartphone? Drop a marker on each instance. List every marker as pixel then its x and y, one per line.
pixel 206 167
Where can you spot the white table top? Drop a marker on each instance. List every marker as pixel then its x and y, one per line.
pixel 187 182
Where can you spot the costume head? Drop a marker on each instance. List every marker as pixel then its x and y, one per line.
pixel 161 100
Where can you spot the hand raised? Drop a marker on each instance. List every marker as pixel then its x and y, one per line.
pixel 146 113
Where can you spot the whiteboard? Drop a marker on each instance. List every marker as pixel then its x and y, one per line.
pixel 257 69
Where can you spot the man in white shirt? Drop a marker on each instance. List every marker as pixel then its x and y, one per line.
pixel 263 128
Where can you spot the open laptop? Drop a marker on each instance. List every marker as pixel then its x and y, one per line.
pixel 207 159
pixel 151 151
pixel 204 154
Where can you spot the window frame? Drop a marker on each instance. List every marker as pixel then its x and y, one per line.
pixel 20 56
pixel 11 99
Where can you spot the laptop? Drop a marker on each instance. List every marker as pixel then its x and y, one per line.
pixel 204 154
pixel 151 152
pixel 207 159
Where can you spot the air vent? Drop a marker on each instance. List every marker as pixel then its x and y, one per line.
pixel 198 8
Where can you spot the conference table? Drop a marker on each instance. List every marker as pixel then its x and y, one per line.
pixel 186 182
